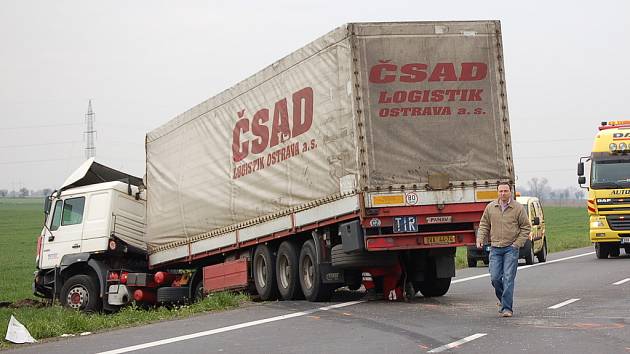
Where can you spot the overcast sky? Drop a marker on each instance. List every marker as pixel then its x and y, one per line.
pixel 144 62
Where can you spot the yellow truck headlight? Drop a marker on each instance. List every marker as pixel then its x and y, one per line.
pixel 596 224
pixel 612 147
pixel 623 146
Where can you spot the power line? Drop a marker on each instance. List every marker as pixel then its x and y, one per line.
pixel 41 126
pixel 548 141
pixel 545 171
pixel 42 144
pixel 35 161
pixel 543 157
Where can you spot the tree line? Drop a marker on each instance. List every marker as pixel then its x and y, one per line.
pixel 539 187
pixel 24 193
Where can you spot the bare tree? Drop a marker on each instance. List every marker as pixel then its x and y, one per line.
pixel 538 187
pixel 578 193
pixel 24 192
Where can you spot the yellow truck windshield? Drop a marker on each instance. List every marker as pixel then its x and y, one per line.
pixel 607 174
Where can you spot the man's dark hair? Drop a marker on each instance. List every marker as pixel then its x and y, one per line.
pixel 504 184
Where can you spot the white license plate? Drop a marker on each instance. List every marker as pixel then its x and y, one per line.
pixel 625 240
pixel 439 219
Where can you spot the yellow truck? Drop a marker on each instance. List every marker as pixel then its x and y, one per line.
pixel 609 189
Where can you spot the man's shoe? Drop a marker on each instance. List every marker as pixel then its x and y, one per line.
pixel 507 313
pixel 499 307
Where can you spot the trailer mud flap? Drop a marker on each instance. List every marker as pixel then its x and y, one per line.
pixel 330 274
pixel 444 267
pixel 169 294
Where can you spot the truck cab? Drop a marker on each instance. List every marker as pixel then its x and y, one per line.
pixel 608 201
pixel 93 222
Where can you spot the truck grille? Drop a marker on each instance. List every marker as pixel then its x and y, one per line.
pixel 611 205
pixel 618 222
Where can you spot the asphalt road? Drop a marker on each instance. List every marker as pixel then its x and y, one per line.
pixel 574 303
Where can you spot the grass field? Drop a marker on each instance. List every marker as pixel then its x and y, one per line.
pixel 21 222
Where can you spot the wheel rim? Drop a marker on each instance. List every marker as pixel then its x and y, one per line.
pixel 77 297
pixel 261 271
pixel 307 272
pixel 285 271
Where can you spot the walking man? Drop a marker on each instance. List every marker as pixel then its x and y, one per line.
pixel 506 223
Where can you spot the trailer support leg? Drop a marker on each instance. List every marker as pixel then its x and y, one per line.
pixel 392 282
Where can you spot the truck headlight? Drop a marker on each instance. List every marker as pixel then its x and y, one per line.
pixel 597 224
pixel 623 146
pixel 612 147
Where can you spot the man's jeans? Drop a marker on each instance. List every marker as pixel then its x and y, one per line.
pixel 503 264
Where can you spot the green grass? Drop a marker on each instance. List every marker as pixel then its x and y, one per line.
pixel 20 224
pixel 566 228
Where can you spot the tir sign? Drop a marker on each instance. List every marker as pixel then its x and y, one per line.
pixel 405 224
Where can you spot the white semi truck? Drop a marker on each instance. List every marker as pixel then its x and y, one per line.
pixel 373 149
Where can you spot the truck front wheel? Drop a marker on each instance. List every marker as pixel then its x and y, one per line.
pixel 601 250
pixel 80 293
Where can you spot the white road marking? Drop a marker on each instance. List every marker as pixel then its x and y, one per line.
pixel 564 303
pixel 457 343
pixel 228 328
pixel 523 267
pixel 622 281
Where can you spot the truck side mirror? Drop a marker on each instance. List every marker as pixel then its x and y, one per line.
pixel 47 203
pixel 536 221
pixel 580 169
pixel 581 180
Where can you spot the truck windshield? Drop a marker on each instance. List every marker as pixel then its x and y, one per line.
pixel 609 174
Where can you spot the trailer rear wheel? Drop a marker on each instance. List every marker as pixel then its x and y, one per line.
pixel 265 273
pixel 433 287
pixel 287 271
pixel 310 277
pixel 80 292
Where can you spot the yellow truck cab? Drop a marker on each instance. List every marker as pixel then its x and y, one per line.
pixel 535 246
pixel 608 201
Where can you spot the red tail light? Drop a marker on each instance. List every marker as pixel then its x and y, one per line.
pixel 144 296
pixel 112 276
pixel 163 277
pixel 123 277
